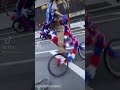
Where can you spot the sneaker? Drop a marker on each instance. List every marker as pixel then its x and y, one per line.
pixel 87 77
pixel 91 70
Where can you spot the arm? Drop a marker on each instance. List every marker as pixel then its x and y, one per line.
pixel 55 8
pixel 58 13
pixel 19 7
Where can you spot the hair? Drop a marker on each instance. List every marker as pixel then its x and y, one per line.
pixel 53 0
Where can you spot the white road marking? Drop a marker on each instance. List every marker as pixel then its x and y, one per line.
pixel 73 67
pixel 43 52
pixel 86 52
pixel 79 34
pixel 16 62
pixel 50 51
pixel 13 37
pixel 102 8
pixel 50 40
pixel 7 33
pixel 107 20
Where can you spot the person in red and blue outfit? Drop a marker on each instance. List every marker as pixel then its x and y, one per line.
pixel 62 30
pixel 24 4
pixel 97 39
pixel 21 5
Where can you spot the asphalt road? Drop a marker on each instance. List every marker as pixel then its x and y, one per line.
pixel 16 60
pixel 72 80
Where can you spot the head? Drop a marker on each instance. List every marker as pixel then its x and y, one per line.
pixel 93 29
pixel 87 19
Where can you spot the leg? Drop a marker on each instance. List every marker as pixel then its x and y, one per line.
pixel 54 38
pixel 60 36
pixel 25 22
pixel 95 61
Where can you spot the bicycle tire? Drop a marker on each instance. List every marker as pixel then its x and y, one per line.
pixel 49 69
pixel 13 26
pixel 109 68
pixel 80 52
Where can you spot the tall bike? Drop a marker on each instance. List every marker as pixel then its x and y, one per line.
pixel 58 64
pixel 61 64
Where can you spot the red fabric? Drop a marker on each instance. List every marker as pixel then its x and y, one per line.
pixel 74 51
pixel 55 39
pixel 89 40
pixel 95 59
pixel 65 61
pixel 13 18
pixel 58 61
pixel 66 33
pixel 72 43
pixel 68 19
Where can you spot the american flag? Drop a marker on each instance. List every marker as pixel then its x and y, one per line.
pixel 49 14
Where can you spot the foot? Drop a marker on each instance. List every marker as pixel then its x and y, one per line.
pixel 91 70
pixel 87 77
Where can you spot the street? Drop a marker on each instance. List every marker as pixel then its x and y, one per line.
pixel 74 77
pixel 16 60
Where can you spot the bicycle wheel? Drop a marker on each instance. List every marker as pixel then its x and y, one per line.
pixel 42 84
pixel 56 65
pixel 81 50
pixel 112 57
pixel 18 27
